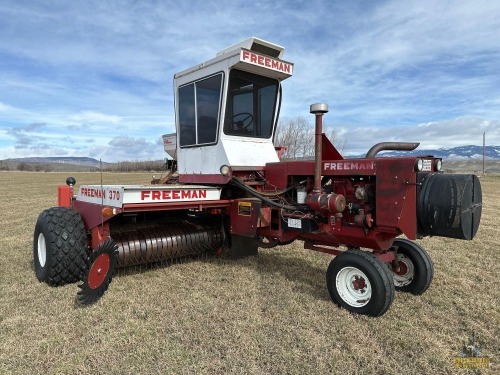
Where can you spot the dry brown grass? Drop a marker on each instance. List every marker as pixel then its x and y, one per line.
pixel 269 314
pixel 491 166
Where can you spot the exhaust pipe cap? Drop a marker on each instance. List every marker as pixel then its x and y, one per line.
pixel 319 108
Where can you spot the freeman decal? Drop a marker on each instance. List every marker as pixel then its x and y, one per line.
pixel 349 166
pixel 266 62
pixel 116 196
pixel 173 194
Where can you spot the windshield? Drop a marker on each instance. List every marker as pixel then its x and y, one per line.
pixel 251 105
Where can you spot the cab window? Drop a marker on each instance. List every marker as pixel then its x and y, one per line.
pixel 251 104
pixel 199 108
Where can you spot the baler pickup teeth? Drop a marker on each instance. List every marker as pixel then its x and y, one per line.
pixel 102 263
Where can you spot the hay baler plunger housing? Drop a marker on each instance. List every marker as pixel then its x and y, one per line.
pixel 226 189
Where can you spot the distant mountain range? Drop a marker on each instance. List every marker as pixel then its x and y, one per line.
pixel 83 161
pixel 454 153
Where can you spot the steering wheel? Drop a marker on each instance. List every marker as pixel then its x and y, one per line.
pixel 245 122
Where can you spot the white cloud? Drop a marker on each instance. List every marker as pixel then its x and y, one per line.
pixel 94 117
pixel 128 148
pixel 4 107
pixel 101 70
pixel 432 135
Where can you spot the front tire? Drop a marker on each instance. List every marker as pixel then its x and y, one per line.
pixel 416 269
pixel 360 283
pixel 60 246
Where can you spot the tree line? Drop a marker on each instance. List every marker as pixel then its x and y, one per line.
pixel 122 166
pixel 298 135
pixel 136 166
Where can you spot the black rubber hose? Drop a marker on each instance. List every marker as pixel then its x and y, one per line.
pixel 270 202
pixel 277 193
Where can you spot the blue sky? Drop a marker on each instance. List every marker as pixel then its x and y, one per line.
pixel 94 78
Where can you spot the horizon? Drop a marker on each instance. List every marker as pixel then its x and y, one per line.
pixel 382 153
pixel 94 79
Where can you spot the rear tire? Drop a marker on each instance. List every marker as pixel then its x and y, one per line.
pixel 416 267
pixel 60 246
pixel 360 283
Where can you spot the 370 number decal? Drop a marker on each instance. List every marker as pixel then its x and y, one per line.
pixel 114 195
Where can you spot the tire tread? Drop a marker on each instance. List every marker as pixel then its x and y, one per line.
pixel 385 283
pixel 422 280
pixel 66 245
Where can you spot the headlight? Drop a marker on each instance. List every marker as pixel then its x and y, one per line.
pixel 225 170
pixel 438 164
pixel 419 165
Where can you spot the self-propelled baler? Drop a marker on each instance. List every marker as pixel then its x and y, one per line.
pixel 226 189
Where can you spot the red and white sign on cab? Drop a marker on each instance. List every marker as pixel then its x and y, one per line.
pixel 267 62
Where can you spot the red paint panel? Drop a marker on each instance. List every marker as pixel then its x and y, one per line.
pixel 168 206
pixel 277 174
pixel 98 235
pixel 301 168
pixel 64 195
pixel 396 195
pixel 329 152
pixel 91 214
pixel 244 214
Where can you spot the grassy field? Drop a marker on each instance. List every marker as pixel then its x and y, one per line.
pixel 491 167
pixel 269 314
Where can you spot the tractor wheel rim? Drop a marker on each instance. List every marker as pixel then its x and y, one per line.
pixel 42 250
pixel 406 271
pixel 98 271
pixel 353 286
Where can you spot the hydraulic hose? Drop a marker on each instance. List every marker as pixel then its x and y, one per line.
pixel 277 193
pixel 236 181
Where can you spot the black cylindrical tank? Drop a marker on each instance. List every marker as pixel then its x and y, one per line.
pixel 449 205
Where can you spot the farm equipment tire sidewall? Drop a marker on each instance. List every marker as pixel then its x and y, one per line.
pixel 379 278
pixel 422 264
pixel 62 232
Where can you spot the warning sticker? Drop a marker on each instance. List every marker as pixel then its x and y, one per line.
pixel 427 165
pixel 245 208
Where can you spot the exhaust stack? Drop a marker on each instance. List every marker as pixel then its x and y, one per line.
pixel 317 200
pixel 318 109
